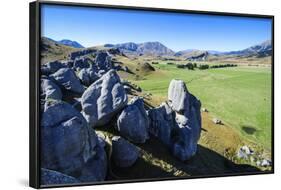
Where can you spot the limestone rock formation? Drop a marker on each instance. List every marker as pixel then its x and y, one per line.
pixel 103 99
pixel 51 177
pixel 68 145
pixel 188 119
pixel 67 79
pixel 162 123
pixel 103 61
pixel 87 76
pixel 124 154
pixel 133 122
pixel 81 63
pixel 50 90
pixel 52 67
pixel 178 95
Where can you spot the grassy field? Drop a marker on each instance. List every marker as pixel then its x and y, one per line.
pixel 240 96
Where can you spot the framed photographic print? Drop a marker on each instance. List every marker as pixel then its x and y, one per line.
pixel 132 94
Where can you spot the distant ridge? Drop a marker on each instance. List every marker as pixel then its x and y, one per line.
pixel 261 50
pixel 67 42
pixel 156 48
pixel 146 48
pixel 70 43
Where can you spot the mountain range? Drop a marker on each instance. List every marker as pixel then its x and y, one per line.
pixel 147 48
pixel 263 49
pixel 158 49
pixel 70 43
pixel 67 42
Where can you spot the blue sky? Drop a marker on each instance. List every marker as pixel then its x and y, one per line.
pixel 95 26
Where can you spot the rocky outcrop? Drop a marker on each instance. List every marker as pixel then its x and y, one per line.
pixel 124 154
pixel 178 95
pixel 68 145
pixel 162 123
pixel 103 61
pixel 87 76
pixel 133 122
pixel 103 99
pixel 50 90
pixel 79 53
pixel 81 63
pixel 50 177
pixel 67 79
pixel 94 96
pixel 188 119
pixel 200 57
pixel 52 67
pixel 177 124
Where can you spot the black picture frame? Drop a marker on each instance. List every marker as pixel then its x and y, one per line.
pixel 34 88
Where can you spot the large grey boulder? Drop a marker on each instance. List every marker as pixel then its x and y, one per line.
pixel 50 90
pixel 103 61
pixel 67 79
pixel 51 177
pixel 133 122
pixel 103 99
pixel 54 66
pixel 95 167
pixel 84 77
pixel 81 63
pixel 162 123
pixel 178 95
pixel 68 145
pixel 178 123
pixel 186 138
pixel 124 154
pixel 87 76
pixel 188 119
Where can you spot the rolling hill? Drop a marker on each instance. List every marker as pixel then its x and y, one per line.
pixel 70 43
pixel 51 50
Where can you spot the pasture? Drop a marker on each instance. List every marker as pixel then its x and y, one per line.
pixel 239 96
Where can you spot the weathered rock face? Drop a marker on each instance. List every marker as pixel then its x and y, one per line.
pixel 186 138
pixel 50 177
pixel 68 145
pixel 76 54
pixel 188 119
pixel 50 90
pixel 87 76
pixel 84 77
pixel 67 79
pixel 124 154
pixel 162 122
pixel 68 63
pixel 101 72
pixel 53 66
pixel 103 61
pixel 177 124
pixel 133 122
pixel 103 99
pixel 178 95
pixel 81 63
pixel 95 168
